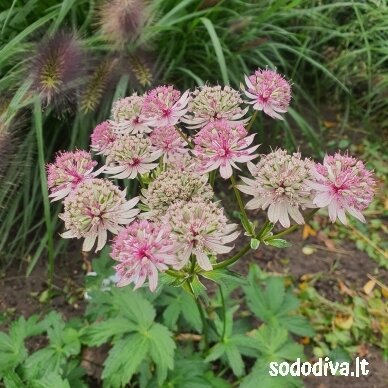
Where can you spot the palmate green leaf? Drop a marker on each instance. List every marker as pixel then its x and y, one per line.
pixel 11 379
pixel 133 306
pixel 234 359
pixel 12 352
pixel 274 344
pixel 232 354
pixel 101 332
pixel 270 302
pixel 298 325
pixel 43 361
pixel 191 371
pixel 124 359
pixel 260 373
pixel 162 348
pixel 51 380
pixel 224 276
pixel 180 304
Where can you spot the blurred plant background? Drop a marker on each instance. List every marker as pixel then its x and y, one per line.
pixel 62 63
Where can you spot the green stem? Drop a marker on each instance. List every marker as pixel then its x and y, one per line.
pixel 140 179
pixel 223 313
pixel 234 258
pixel 184 137
pixel 176 274
pixel 204 324
pixel 252 120
pixel 240 203
pixel 294 227
pixel 44 188
pixel 212 177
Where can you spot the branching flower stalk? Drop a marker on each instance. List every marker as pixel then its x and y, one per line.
pixel 165 150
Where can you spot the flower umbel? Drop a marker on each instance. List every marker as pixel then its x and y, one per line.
pixel 165 105
pixel 127 115
pixel 102 137
pixel 279 184
pixel 143 248
pixel 168 140
pixel 342 183
pixel 212 103
pixel 201 229
pixel 172 186
pixel 130 156
pixel 68 171
pixel 220 145
pixel 269 91
pixel 96 207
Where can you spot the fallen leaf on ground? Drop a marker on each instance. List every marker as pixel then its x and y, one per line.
pixel 369 286
pixel 308 231
pixel 343 321
pixel 344 289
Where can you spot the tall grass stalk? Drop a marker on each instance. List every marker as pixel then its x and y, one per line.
pixel 37 115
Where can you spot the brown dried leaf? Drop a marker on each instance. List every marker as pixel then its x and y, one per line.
pixel 344 289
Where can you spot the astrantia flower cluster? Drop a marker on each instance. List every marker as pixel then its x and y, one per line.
pixel 220 146
pixel 96 207
pixel 167 148
pixel 279 184
pixel 213 103
pixel 342 183
pixel 171 186
pixel 143 248
pixel 68 171
pixel 201 230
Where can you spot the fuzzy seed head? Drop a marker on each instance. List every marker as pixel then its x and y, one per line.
pixel 57 67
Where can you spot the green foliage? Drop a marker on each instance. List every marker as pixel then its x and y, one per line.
pixel 129 323
pixel 57 364
pixel 272 303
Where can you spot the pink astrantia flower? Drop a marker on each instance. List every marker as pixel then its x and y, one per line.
pixel 200 228
pixel 68 171
pixel 269 91
pixel 102 137
pixel 128 116
pixel 165 105
pixel 280 184
pixel 96 207
pixel 220 145
pixel 143 248
pixel 168 140
pixel 342 183
pixel 213 103
pixel 130 156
